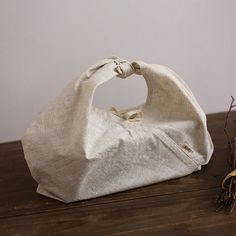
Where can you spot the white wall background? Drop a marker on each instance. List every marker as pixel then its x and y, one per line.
pixel 46 43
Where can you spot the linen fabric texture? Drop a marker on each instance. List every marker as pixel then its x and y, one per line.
pixel 76 151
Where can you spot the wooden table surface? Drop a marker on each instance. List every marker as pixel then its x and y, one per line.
pixel 184 206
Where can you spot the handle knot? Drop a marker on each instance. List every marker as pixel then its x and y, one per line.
pixel 123 68
pixel 132 115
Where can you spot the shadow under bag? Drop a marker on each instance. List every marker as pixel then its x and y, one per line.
pixel 76 151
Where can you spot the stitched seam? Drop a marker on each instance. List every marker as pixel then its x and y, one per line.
pixel 175 147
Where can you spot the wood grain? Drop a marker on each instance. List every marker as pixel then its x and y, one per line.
pixel 183 206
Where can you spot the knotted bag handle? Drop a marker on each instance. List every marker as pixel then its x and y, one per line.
pixel 105 70
pixel 158 79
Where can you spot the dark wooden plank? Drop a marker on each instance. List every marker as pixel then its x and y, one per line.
pixel 188 213
pixel 18 195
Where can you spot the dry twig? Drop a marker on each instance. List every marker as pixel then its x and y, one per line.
pixel 227 198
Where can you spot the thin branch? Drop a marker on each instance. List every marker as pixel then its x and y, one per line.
pixel 227 197
pixel 226 123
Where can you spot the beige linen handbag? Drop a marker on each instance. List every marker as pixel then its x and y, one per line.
pixel 76 151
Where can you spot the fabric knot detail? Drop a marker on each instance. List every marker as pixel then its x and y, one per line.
pixel 123 68
pixel 133 115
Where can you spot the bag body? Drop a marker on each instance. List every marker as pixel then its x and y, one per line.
pixel 76 151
